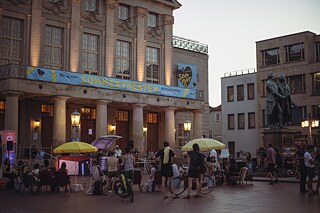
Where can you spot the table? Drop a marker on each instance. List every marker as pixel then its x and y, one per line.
pixel 144 163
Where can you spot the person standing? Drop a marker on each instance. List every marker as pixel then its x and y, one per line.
pixel 309 161
pixel 166 155
pixel 299 156
pixel 213 153
pixel 196 159
pixel 113 167
pixel 317 157
pixel 271 162
pixel 128 163
pixel 118 152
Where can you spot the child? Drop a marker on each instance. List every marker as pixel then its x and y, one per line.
pixel 151 186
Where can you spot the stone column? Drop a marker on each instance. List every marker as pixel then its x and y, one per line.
pixel 110 41
pixel 59 121
pixel 102 118
pixel 11 116
pixel 168 22
pixel 35 39
pixel 137 128
pixel 197 123
pixel 169 127
pixel 75 36
pixel 141 44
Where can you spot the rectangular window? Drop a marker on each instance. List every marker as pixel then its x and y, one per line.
pixel 316 84
pixel 88 113
pixel 294 52
pixel 210 134
pixel 122 115
pixel 11 42
pixel 264 119
pixel 92 6
pixel 122 66
pixel 250 91
pixel 240 92
pixel 251 120
pixel 53 47
pixel 152 20
pixel 152 118
pixel 123 12
pixel 298 114
pixel 297 83
pixel 152 65
pixel 2 106
pixel 241 122
pixel 317 51
pixel 316 112
pixel 217 116
pixel 264 88
pixel 230 95
pixel 47 109
pixel 270 57
pixel 180 135
pixel 90 53
pixel 230 121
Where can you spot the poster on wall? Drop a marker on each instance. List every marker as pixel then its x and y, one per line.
pixel 187 76
pixel 8 138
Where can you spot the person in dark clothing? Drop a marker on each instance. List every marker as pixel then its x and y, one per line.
pixel 299 155
pixel 233 170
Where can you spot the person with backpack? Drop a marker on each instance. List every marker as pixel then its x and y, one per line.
pixel 196 161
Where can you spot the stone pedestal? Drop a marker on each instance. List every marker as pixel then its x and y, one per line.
pixel 279 138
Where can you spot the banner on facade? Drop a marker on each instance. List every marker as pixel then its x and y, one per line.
pixel 187 76
pixel 75 78
pixel 8 138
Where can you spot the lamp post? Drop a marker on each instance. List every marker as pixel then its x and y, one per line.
pixel 310 123
pixel 187 130
pixel 75 125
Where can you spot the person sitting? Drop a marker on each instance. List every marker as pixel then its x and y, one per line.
pixel 233 170
pixel 7 173
pixel 63 167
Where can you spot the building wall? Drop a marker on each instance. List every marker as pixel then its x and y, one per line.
pixel 244 139
pixel 307 67
pixel 216 123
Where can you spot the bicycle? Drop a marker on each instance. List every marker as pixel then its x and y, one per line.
pixel 181 183
pixel 123 187
pixel 26 181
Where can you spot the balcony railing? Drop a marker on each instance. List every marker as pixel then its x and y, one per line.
pixel 188 44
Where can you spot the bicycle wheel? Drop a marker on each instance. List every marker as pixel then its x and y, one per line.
pixel 120 189
pixel 179 185
pixel 130 192
pixel 207 185
pixel 17 184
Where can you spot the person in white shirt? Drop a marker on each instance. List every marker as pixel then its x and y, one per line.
pixel 213 153
pixel 309 161
pixel 117 152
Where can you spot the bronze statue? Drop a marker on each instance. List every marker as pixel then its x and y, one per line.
pixel 273 106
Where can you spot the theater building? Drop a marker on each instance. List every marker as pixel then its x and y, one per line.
pixel 115 62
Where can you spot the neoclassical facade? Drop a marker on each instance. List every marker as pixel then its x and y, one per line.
pixel 114 61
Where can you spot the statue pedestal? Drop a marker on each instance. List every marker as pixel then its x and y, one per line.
pixel 279 138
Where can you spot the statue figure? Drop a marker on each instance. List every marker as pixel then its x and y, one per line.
pixel 273 106
pixel 287 102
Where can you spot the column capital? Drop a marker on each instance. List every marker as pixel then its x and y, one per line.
pixel 61 98
pixel 12 93
pixel 167 109
pixel 168 20
pixel 139 105
pixel 198 111
pixel 111 4
pixel 142 12
pixel 103 102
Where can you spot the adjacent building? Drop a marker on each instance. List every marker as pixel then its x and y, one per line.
pixel 114 61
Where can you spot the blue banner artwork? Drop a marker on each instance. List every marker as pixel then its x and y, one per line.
pixel 187 76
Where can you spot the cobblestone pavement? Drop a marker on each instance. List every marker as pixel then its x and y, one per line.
pixel 257 197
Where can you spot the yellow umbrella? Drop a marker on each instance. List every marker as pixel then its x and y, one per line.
pixel 205 144
pixel 75 147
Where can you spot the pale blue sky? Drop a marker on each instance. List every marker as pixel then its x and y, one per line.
pixel 231 28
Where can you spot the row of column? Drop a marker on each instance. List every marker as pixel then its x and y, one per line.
pixel 60 118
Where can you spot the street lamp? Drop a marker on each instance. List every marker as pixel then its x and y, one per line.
pixel 75 125
pixel 187 129
pixel 310 124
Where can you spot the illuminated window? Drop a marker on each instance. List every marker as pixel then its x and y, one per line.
pixel 88 113
pixel 230 94
pixel 240 93
pixel 123 12
pixel 152 118
pixel 90 53
pixel 47 109
pixel 152 65
pixel 53 48
pixel 11 41
pixel 316 84
pixel 122 115
pixel 241 123
pixel 297 83
pixel 122 60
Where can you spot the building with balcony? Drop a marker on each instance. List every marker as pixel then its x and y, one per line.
pixel 114 61
pixel 297 56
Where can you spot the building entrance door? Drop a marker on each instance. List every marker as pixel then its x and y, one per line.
pixel 122 129
pixel 152 137
pixel 46 131
pixel 88 130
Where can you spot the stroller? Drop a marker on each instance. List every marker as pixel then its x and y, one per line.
pixel 98 181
